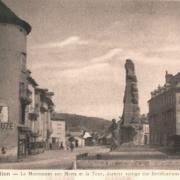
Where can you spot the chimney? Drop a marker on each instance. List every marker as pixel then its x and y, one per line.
pixel 168 77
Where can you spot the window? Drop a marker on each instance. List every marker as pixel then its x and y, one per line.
pixel 3 113
pixel 23 61
pixel 53 140
pixel 22 89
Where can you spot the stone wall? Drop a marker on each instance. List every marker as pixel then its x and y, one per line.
pixel 129 164
pixel 12 45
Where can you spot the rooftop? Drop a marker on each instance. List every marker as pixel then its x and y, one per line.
pixel 172 81
pixel 32 81
pixel 8 16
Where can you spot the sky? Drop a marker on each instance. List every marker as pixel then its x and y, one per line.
pixel 78 48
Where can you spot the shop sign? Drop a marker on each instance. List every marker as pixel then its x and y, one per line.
pixel 6 125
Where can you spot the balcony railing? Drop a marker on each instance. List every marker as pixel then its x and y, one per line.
pixel 25 94
pixel 44 107
pixel 33 114
pixel 35 132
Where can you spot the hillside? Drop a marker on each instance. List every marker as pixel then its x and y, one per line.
pixel 78 122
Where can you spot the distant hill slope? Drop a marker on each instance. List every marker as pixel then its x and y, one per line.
pixel 78 122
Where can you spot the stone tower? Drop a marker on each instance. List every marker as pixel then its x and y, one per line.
pixel 131 110
pixel 130 122
pixel 13 34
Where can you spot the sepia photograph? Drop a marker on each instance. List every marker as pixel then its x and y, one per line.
pixel 90 85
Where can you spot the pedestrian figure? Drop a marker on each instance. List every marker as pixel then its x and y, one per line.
pixel 72 146
pixel 3 150
pixel 115 135
pixel 50 146
pixel 61 145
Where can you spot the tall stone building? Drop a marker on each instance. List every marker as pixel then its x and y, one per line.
pixel 164 113
pixel 25 109
pixel 13 35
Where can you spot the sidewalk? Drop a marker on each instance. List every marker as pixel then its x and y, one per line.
pixel 52 159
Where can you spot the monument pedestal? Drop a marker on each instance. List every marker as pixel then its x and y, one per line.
pixel 131 135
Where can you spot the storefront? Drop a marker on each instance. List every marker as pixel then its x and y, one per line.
pixel 23 142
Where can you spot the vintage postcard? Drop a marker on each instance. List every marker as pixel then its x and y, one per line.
pixel 89 89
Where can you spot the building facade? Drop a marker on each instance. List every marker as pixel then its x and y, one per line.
pixel 25 109
pixel 164 113
pixel 29 114
pixel 144 130
pixel 13 32
pixel 46 107
pixel 58 136
pixel 145 139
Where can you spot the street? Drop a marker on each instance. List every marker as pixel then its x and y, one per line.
pixel 52 159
